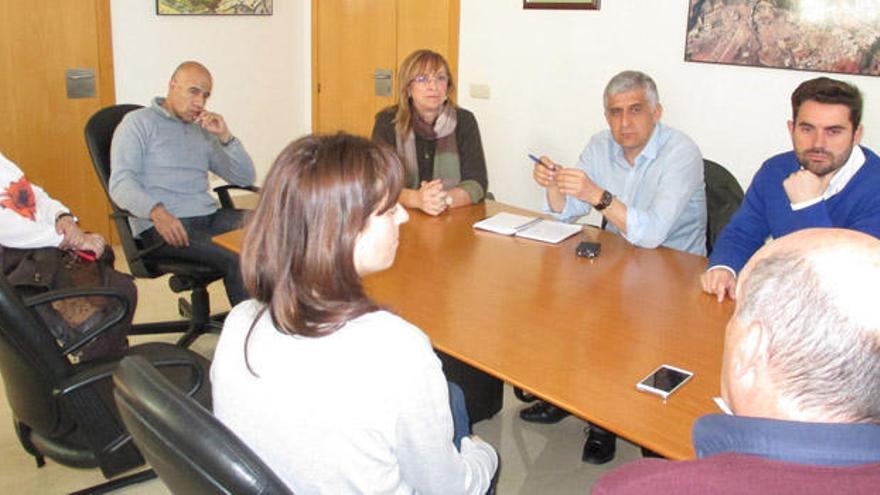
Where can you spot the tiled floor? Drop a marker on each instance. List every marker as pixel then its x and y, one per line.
pixel 536 459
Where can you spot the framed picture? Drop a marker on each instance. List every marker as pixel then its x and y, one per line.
pixel 825 36
pixel 564 4
pixel 214 7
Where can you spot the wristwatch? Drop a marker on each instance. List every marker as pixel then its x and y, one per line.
pixel 65 214
pixel 605 201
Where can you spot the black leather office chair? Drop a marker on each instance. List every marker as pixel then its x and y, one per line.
pixel 142 260
pixel 189 448
pixel 723 197
pixel 65 411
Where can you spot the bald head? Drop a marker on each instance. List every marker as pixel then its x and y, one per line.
pixel 190 67
pixel 188 91
pixel 807 328
pixel 845 263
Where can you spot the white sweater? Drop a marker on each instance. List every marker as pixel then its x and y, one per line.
pixel 16 230
pixel 363 410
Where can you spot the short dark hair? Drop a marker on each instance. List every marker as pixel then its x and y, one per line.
pixel 831 92
pixel 298 252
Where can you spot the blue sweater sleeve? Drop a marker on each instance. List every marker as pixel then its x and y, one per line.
pixel 748 228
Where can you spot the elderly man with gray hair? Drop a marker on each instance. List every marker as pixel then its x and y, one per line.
pixel 801 373
pixel 645 178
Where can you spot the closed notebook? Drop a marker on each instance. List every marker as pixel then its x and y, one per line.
pixel 538 229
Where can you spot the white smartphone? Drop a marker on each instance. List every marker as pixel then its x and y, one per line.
pixel 664 380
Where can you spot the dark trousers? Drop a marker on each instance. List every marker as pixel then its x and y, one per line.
pixel 202 249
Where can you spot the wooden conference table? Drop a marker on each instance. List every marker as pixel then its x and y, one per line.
pixel 576 332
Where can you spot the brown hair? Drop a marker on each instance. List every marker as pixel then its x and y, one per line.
pixel 831 92
pixel 417 63
pixel 298 252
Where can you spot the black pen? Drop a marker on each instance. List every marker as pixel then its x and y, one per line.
pixel 538 161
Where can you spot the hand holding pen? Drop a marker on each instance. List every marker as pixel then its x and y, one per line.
pixel 545 170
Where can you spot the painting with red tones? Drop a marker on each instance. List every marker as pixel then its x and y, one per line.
pixel 817 35
pixel 19 197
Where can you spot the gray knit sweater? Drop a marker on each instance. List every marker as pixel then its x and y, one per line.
pixel 158 158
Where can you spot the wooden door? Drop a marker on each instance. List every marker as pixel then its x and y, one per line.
pixel 353 38
pixel 41 129
pixel 428 24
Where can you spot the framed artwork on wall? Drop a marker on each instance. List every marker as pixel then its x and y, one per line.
pixel 814 35
pixel 564 4
pixel 214 7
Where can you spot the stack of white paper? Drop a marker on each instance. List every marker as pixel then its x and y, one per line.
pixel 529 227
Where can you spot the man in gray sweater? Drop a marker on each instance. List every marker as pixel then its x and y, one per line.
pixel 161 156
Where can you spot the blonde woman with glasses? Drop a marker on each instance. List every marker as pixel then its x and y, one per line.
pixel 437 141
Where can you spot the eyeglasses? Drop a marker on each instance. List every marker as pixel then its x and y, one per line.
pixel 440 80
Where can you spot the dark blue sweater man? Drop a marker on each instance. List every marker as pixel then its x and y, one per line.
pixel 827 181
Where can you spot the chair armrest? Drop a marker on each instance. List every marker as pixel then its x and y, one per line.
pixel 124 214
pixel 102 326
pixel 226 198
pixel 56 295
pixel 94 374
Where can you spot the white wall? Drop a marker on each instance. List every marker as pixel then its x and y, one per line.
pixel 261 67
pixel 547 70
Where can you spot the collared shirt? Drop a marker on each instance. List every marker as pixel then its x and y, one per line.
pixel 826 444
pixel 158 158
pixel 663 189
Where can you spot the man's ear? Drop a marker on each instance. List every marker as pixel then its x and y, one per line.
pixel 750 355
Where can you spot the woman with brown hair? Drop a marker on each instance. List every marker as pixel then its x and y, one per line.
pixel 334 393
pixel 438 142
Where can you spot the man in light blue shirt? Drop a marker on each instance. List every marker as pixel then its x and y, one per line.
pixel 645 178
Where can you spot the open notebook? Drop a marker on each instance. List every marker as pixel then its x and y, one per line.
pixel 538 229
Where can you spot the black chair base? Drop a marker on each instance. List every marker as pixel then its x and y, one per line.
pixel 23 432
pixel 118 483
pixel 523 395
pixel 199 315
pixel 197 320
